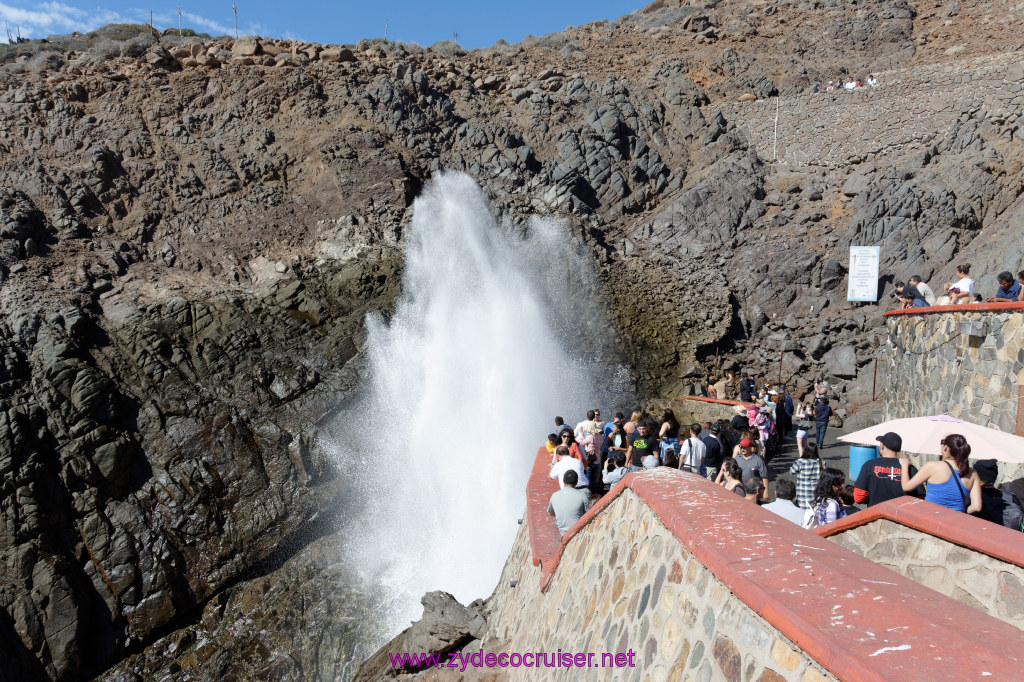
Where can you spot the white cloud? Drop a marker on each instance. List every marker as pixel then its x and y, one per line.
pixel 55 17
pixel 48 18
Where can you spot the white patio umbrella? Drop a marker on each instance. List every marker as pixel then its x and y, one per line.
pixel 921 435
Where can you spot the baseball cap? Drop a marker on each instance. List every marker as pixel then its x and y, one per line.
pixel 716 428
pixel 745 443
pixel 891 440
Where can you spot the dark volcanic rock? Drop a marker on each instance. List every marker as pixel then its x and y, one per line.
pixel 190 240
pixel 446 626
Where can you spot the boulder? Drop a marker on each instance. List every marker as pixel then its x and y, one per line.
pixel 337 54
pixel 841 362
pixel 246 46
pixel 748 97
pixel 446 626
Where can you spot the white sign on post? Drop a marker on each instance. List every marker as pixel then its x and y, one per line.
pixel 863 282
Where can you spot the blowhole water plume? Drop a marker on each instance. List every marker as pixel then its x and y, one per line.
pixel 461 387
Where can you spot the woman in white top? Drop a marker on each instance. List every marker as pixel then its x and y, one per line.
pixel 962 290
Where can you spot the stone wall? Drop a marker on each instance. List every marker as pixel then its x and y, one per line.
pixel 628 584
pixel 932 368
pixel 740 594
pixel 692 409
pixel 988 584
pixel 899 116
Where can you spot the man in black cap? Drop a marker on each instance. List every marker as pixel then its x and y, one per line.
pixel 997 506
pixel 881 478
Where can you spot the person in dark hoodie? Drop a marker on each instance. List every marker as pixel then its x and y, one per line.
pixel 997 506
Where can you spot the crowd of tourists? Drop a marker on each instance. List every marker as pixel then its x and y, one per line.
pixel 594 455
pixel 915 293
pixel 846 85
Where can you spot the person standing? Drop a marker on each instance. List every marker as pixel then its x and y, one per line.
pixel 712 450
pixel 822 411
pixel 926 291
pixel 783 505
pixel 1009 290
pixel 566 462
pixel 641 444
pixel 569 503
pixel 692 452
pixel 827 503
pixel 804 418
pixel 881 478
pixel 950 481
pixel 749 464
pixel 808 470
pixel 962 290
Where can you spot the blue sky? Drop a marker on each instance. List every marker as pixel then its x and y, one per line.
pixel 479 23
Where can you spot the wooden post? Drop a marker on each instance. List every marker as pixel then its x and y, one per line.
pixel 874 378
pixel 1019 430
pixel 234 8
pixel 775 144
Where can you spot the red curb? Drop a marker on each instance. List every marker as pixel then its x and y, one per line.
pixel 844 611
pixel 962 308
pixel 958 528
pixel 712 400
pixel 544 536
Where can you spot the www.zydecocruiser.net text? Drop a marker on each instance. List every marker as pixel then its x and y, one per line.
pixel 529 659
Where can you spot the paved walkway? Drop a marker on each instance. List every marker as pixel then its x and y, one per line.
pixel 835 454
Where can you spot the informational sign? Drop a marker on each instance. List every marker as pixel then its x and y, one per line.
pixel 863 284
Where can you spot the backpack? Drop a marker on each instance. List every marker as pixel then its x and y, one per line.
pixel 592 445
pixel 764 420
pixel 811 518
pixel 1013 512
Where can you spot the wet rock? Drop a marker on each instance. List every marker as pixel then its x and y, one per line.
pixel 446 626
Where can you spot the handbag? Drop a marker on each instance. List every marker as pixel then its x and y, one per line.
pixel 804 424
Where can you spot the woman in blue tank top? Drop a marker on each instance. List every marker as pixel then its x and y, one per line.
pixel 951 481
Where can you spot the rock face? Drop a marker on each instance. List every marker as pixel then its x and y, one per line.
pixel 446 626
pixel 192 231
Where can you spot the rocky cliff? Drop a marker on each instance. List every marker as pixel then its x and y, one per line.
pixel 192 230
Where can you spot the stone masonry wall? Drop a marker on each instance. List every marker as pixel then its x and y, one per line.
pixel 899 116
pixel 689 410
pixel 932 369
pixel 992 586
pixel 628 584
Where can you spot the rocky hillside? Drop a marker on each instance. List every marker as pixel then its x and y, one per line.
pixel 192 230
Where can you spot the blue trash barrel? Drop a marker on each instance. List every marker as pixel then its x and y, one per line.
pixel 859 454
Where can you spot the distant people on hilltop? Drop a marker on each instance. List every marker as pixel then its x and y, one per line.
pixel 1009 289
pixel 926 291
pixel 911 297
pixel 872 81
pixel 962 291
